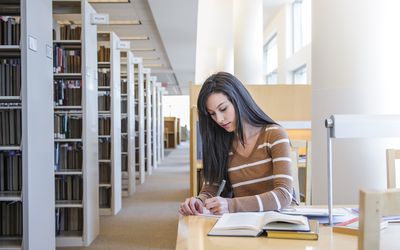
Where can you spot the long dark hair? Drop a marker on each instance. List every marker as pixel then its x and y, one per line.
pixel 217 142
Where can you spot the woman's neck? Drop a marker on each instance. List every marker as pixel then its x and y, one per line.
pixel 250 131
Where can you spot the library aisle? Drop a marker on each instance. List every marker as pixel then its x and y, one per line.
pixel 149 218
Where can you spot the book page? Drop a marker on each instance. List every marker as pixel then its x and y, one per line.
pixel 272 216
pixel 252 221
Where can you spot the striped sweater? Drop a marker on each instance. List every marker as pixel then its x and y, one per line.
pixel 262 181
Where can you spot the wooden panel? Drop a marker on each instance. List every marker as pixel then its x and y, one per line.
pixel 280 102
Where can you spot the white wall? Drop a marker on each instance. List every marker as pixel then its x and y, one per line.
pixel 355 53
pixel 287 61
pixel 178 106
pixel 214 48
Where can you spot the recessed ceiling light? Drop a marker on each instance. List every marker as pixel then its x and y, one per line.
pixel 143 49
pixel 151 58
pixel 124 22
pixel 159 65
pixel 135 38
pixel 109 1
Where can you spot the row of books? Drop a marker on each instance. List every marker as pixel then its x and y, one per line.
pixel 67 92
pixel 124 124
pixel 10 30
pixel 103 77
pixel 104 173
pixel 104 101
pixel 124 163
pixel 70 32
pixel 10 171
pixel 11 219
pixel 104 148
pixel 68 156
pixel 124 144
pixel 103 54
pixel 66 60
pixel 104 125
pixel 68 188
pixel 104 197
pixel 10 127
pixel 67 126
pixel 10 77
pixel 69 220
pixel 124 86
pixel 124 106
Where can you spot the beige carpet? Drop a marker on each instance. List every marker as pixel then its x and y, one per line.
pixel 149 219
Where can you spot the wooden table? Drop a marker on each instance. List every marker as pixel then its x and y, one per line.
pixel 192 234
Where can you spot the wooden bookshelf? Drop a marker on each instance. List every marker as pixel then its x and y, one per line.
pixel 171 131
pixel 75 104
pixel 26 134
pixel 128 125
pixel 109 83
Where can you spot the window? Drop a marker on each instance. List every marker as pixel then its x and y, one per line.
pixel 300 75
pixel 301 23
pixel 271 60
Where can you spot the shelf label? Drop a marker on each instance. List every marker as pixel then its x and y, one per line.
pixel 49 51
pixel 96 18
pixel 124 45
pixel 32 43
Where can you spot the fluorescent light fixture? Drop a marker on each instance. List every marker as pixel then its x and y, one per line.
pixel 159 65
pixel 142 49
pixel 151 58
pixel 124 22
pixel 135 38
pixel 109 1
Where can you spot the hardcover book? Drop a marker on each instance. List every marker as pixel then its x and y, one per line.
pixel 254 223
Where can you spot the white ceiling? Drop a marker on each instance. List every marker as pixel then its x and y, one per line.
pixel 171 26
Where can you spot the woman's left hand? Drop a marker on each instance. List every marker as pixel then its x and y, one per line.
pixel 217 205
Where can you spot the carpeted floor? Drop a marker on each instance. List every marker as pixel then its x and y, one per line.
pixel 149 219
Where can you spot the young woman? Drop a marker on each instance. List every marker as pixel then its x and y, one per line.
pixel 243 146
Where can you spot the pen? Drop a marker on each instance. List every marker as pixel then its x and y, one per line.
pixel 221 188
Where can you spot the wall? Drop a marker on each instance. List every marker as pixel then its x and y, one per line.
pixel 177 106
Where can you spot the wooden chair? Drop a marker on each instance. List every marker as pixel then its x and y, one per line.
pixel 391 156
pixel 303 147
pixel 374 205
pixel 295 175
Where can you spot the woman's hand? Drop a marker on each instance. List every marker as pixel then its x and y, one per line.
pixel 217 205
pixel 191 206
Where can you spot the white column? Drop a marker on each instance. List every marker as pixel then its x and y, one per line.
pixel 248 52
pixel 214 48
pixel 354 53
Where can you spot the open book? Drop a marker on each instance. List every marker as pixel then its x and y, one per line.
pixel 254 223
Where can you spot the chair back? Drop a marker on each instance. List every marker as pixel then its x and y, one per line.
pixel 302 149
pixel 374 205
pixel 393 176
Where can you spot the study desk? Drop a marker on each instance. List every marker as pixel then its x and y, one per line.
pixel 192 234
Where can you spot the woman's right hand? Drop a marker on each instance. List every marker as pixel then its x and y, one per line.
pixel 191 206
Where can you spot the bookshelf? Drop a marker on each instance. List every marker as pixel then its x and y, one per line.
pixel 171 131
pixel 76 173
pixel 128 124
pixel 139 119
pixel 147 119
pixel 109 89
pixel 26 134
pixel 153 82
pixel 159 120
